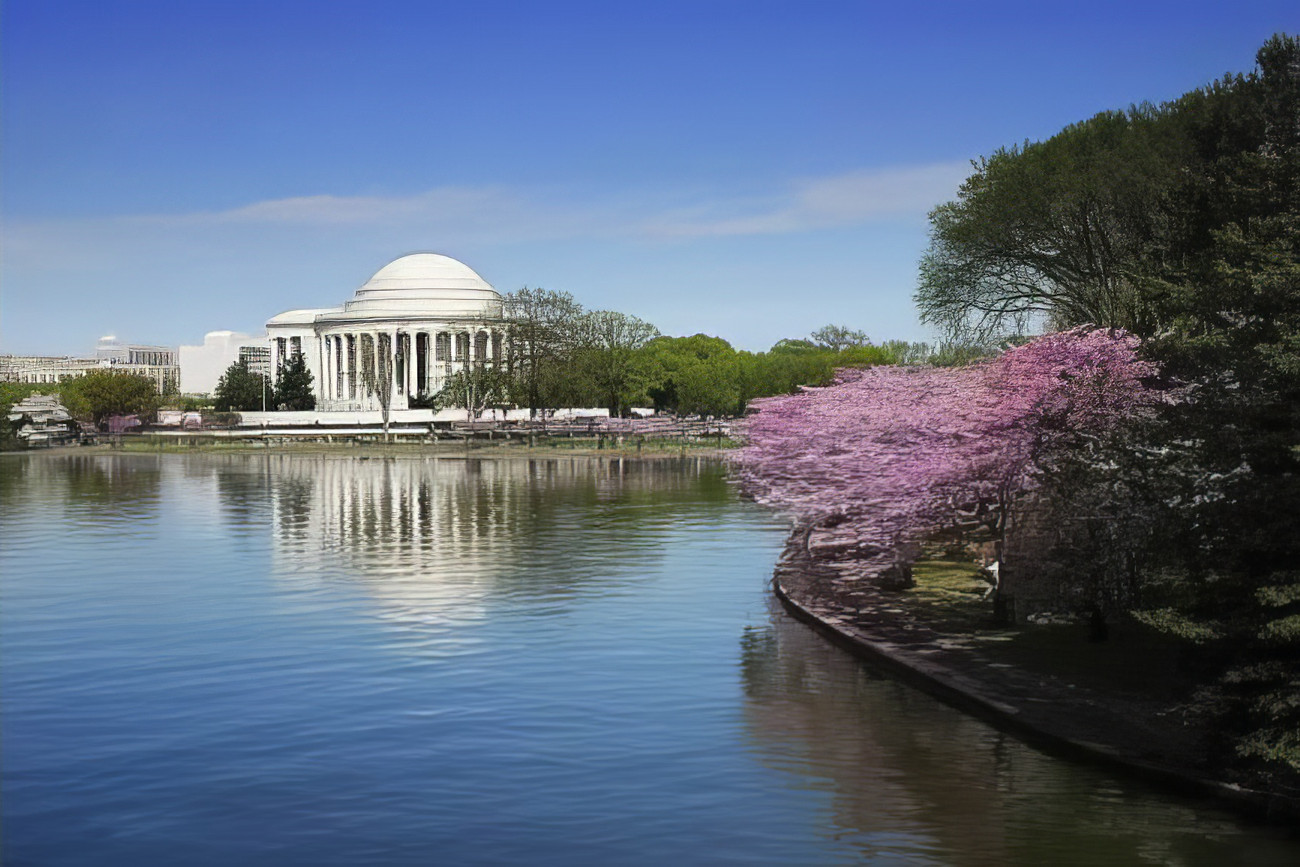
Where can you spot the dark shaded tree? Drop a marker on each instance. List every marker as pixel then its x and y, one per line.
pixel 241 390
pixel 293 385
pixel 1182 223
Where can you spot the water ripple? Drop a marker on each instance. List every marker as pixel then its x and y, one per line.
pixel 292 660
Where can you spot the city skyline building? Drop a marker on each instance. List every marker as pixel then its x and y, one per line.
pixel 157 363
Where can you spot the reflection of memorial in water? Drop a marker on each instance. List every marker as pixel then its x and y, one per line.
pixel 906 773
pixel 434 538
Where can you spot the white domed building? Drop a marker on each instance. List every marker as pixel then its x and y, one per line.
pixel 418 321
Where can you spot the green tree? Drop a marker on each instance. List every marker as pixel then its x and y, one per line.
pixel 293 386
pixel 542 332
pixel 837 338
pixel 1230 317
pixel 106 392
pixel 474 389
pixel 1062 232
pixel 1181 223
pixel 691 375
pixel 606 358
pixel 241 390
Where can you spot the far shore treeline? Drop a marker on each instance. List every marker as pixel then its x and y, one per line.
pixel 557 355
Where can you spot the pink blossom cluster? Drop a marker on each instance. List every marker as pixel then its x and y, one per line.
pixel 893 453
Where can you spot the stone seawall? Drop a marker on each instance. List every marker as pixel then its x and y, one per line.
pixel 1136 734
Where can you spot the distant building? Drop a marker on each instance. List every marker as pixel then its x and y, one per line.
pixel 203 366
pixel 41 369
pixel 158 363
pixel 256 358
pixel 45 421
pixel 428 316
pixel 153 362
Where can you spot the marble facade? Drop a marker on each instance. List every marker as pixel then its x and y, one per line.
pixel 414 324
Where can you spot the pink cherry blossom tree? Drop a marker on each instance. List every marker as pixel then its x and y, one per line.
pixel 891 455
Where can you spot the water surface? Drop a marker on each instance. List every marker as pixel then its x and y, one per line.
pixel 326 660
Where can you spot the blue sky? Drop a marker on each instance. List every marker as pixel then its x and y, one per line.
pixel 747 169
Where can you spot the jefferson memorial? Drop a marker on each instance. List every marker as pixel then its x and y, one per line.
pixel 418 321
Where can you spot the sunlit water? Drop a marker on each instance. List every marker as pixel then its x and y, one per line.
pixel 328 660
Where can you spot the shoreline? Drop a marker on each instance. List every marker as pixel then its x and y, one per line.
pixel 442 449
pixel 1142 736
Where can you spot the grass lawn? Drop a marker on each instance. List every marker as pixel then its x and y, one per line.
pixel 949 595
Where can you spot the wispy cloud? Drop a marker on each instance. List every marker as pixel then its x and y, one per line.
pixel 464 217
pixel 819 203
pixel 65 281
pixel 445 202
pixel 494 213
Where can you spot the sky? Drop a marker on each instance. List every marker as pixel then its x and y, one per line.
pixel 752 170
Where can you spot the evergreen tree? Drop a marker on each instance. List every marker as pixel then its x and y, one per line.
pixel 239 389
pixel 293 387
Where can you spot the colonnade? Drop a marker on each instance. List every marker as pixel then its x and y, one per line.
pixel 418 362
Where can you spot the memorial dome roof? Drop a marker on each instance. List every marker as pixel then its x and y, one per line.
pixel 425 284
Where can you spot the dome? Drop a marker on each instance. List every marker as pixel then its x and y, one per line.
pixel 425 284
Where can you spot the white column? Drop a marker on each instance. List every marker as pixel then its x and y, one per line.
pixel 334 367
pixel 404 351
pixel 331 347
pixel 341 345
pixel 436 363
pixel 323 367
pixel 392 362
pixel 350 352
pixel 378 368
pixel 412 368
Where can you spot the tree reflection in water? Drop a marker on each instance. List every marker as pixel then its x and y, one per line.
pixel 902 768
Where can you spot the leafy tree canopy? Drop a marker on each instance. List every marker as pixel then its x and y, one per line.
pixel 106 392
pixel 239 389
pixel 474 389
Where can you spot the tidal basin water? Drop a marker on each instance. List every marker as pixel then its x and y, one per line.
pixel 327 660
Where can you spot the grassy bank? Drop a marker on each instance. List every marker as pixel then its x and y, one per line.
pixel 949 596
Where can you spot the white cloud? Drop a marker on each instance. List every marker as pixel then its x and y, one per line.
pixel 819 203
pixel 64 281
pixel 444 203
pixel 495 214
